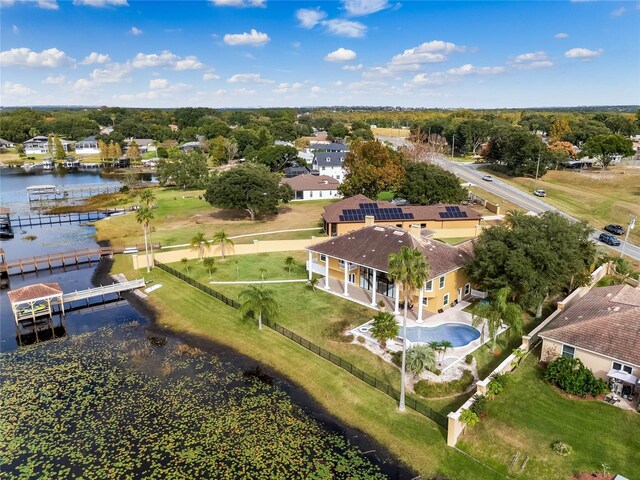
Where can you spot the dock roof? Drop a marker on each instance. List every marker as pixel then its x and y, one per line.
pixel 37 291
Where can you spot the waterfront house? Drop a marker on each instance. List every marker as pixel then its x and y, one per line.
pixel 313 187
pixel 40 144
pixel 602 329
pixel 355 265
pixel 190 146
pixel 144 144
pixel 88 146
pixel 446 221
pixel 6 143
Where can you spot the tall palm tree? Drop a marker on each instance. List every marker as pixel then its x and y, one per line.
pixel 148 198
pixel 209 263
pixel 496 312
pixel 144 215
pixel 289 262
pixel 259 302
pixel 409 270
pixel 199 243
pixel 223 239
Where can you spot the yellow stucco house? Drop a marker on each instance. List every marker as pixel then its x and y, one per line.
pixel 356 265
pixel 602 329
pixel 445 221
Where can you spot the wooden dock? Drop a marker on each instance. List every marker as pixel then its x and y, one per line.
pixel 53 260
pixel 63 218
pixel 103 290
pixel 39 193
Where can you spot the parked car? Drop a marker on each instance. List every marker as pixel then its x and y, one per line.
pixel 615 229
pixel 488 178
pixel 609 239
pixel 540 193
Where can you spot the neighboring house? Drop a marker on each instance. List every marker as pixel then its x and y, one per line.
pixel 444 220
pixel 144 144
pixel 359 260
pixel 291 172
pixel 330 164
pixel 282 143
pixel 40 144
pixel 106 130
pixel 602 329
pixel 88 146
pixel 313 187
pixel 6 143
pixel 190 146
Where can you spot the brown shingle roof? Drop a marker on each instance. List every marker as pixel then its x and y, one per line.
pixel 606 321
pixel 311 182
pixel 420 213
pixel 371 247
pixel 30 292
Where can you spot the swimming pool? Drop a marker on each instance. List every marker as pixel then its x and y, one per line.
pixel 459 335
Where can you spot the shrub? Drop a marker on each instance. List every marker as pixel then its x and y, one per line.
pixel 360 339
pixel 479 406
pixel 124 189
pixel 469 418
pixel 335 331
pixel 468 359
pixel 396 359
pixel 497 384
pixel 571 376
pixel 446 389
pixel 561 448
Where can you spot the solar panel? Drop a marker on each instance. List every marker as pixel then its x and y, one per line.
pixel 448 209
pixel 444 214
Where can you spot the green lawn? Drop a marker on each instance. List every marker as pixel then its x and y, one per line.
pixel 412 438
pixel 530 415
pixel 454 240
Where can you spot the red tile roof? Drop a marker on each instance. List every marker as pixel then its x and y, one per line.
pixel 31 292
pixel 606 321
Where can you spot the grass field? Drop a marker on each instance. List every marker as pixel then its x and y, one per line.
pixel 181 214
pixel 415 440
pixel 391 132
pixel 530 415
pixel 599 197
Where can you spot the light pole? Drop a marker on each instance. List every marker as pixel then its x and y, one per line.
pixel 453 145
pixel 537 169
pixel 632 224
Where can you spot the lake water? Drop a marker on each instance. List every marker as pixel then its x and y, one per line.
pixel 115 398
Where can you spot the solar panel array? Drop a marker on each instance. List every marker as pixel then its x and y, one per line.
pixel 453 212
pixel 358 214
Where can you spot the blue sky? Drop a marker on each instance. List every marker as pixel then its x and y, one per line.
pixel 250 53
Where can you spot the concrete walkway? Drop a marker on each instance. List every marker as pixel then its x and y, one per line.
pixel 257 234
pixel 244 282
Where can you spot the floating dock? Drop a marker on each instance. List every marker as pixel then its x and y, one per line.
pixel 53 192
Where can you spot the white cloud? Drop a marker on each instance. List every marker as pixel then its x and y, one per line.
pixel 15 29
pixel 314 91
pixel 45 4
pixel 353 68
pixel 310 17
pixel 341 55
pixel 113 73
pixel 288 88
pixel 530 61
pixel 469 69
pixel 239 3
pixel 158 83
pixel 253 38
pixel 561 35
pixel 431 79
pixel 345 28
pixel 54 80
pixel 162 88
pixel 539 64
pixel 377 72
pixel 338 83
pixel 530 57
pixel 95 57
pixel 428 52
pixel 583 53
pixel 135 31
pixel 618 12
pixel 25 57
pixel 84 84
pixel 166 59
pixel 248 78
pixel 101 3
pixel 15 89
pixel 210 75
pixel 357 8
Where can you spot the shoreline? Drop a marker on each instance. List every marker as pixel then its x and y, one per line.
pixel 372 450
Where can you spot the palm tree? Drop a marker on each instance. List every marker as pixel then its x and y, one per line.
pixel 384 328
pixel 496 312
pixel 421 358
pixel 209 263
pixel 199 243
pixel 148 198
pixel 289 262
pixel 223 239
pixel 185 262
pixel 312 283
pixel 262 271
pixel 444 346
pixel 409 270
pixel 144 215
pixel 258 302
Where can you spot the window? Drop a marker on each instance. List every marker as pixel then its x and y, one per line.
pixel 323 258
pixel 568 351
pixel 425 301
pixel 429 286
pixel 441 285
pixel 352 278
pixel 423 225
pixel 320 193
pixel 467 289
pixel 445 300
pixel 621 367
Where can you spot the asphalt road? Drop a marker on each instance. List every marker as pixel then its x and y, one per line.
pixel 470 173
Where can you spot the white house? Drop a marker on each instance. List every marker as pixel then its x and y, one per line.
pixel 144 144
pixel 330 164
pixel 40 144
pixel 88 146
pixel 313 187
pixel 6 143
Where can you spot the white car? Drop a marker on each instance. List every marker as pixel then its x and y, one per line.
pixel 540 193
pixel 488 178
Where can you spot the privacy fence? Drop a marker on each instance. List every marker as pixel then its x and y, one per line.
pixel 384 387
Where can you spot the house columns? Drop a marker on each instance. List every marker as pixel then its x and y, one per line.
pixel 374 289
pixel 310 265
pixel 420 298
pixel 326 272
pixel 346 278
pixel 396 308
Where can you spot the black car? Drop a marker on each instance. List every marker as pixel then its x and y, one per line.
pixel 615 229
pixel 609 239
